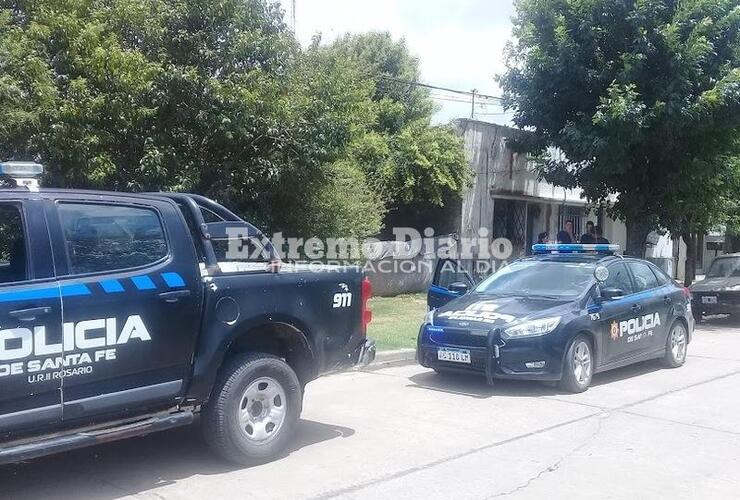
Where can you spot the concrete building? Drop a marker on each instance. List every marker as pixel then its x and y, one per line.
pixel 509 199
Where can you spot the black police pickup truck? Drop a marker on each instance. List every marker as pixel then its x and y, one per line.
pixel 121 315
pixel 561 315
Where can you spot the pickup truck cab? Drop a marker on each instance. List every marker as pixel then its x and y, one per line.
pixel 121 314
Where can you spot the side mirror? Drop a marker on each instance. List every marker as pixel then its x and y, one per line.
pixel 459 287
pixel 611 293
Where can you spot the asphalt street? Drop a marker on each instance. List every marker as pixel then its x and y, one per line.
pixel 406 432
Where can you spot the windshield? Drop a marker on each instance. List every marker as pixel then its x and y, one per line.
pixel 724 268
pixel 548 279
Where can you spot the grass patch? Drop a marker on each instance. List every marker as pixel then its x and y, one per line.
pixel 396 320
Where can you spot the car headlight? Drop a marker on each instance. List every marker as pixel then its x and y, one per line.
pixel 429 318
pixel 534 328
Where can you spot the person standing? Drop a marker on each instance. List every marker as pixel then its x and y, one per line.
pixel 566 235
pixel 543 238
pixel 589 236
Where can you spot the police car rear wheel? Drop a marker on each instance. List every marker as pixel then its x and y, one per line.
pixel 676 343
pixel 578 366
pixel 254 409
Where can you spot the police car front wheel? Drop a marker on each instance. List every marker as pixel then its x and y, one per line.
pixel 578 365
pixel 254 409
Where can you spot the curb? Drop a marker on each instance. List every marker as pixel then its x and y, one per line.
pixel 388 359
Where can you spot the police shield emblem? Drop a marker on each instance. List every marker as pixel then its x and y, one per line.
pixel 615 330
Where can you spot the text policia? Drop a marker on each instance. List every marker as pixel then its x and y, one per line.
pixel 30 351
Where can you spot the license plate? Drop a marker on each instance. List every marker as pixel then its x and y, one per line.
pixel 709 299
pixel 454 355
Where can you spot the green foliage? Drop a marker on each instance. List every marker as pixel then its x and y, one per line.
pixel 405 158
pixel 216 97
pixel 642 96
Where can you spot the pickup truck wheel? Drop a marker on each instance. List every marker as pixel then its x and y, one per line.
pixel 253 411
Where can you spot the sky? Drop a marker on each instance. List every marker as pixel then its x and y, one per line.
pixel 459 43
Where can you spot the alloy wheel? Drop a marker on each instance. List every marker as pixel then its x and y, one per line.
pixel 678 343
pixel 582 362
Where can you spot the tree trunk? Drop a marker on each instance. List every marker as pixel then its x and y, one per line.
pixel 690 269
pixel 732 243
pixel 636 235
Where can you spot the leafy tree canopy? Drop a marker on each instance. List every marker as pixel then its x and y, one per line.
pixel 642 96
pixel 409 160
pixel 214 97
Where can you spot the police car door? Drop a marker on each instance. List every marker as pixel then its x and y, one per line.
pixel 30 320
pixel 447 283
pixel 614 313
pixel 653 321
pixel 130 329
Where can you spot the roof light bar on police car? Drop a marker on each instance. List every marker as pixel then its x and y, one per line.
pixel 541 248
pixel 23 173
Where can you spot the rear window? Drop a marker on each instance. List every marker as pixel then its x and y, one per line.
pixel 104 238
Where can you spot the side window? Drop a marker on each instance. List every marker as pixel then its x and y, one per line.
pixel 619 278
pixel 13 261
pixel 209 216
pixel 661 275
pixel 110 237
pixel 644 277
pixel 449 272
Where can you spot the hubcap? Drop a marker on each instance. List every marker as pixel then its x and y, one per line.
pixel 678 343
pixel 582 362
pixel 261 410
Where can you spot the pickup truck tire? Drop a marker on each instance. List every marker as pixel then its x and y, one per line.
pixel 253 411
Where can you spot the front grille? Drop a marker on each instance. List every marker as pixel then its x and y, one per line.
pixel 460 337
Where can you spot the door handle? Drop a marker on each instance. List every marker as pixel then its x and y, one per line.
pixel 636 308
pixel 29 314
pixel 174 296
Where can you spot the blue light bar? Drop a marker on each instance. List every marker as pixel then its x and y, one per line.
pixel 541 248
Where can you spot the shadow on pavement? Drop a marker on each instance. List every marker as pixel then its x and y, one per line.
pixel 133 466
pixel 719 324
pixel 476 387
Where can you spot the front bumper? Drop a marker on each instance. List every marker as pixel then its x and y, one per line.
pixel 493 356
